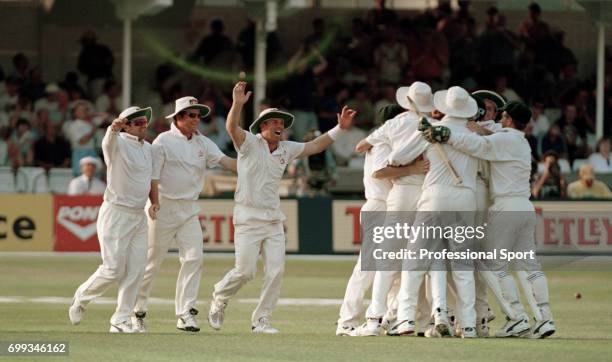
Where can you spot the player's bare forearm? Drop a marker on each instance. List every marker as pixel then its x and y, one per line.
pixel 230 164
pixel 154 192
pixel 363 146
pixel 317 145
pixel 418 167
pixel 232 125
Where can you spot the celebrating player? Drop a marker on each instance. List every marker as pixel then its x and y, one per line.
pixel 258 220
pixel 122 224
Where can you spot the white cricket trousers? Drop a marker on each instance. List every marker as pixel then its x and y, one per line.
pixel 122 233
pixel 359 282
pixel 402 197
pixel 177 220
pixel 483 201
pixel 441 198
pixel 249 242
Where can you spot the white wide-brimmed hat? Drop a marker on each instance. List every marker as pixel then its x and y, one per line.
pixel 420 93
pixel 184 103
pixel 89 159
pixel 455 102
pixel 135 112
pixel 271 113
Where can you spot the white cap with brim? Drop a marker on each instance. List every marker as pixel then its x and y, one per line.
pixel 455 102
pixel 184 103
pixel 271 113
pixel 90 160
pixel 420 93
pixel 51 88
pixel 136 112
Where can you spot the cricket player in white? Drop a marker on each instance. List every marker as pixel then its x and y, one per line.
pixel 122 224
pixel 180 158
pixel 405 192
pixel 377 178
pixel 512 216
pixel 258 220
pixel 442 192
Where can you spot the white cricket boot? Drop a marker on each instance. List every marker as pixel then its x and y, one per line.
pixel 263 326
pixel 138 323
pixel 75 313
pixel 514 328
pixel 442 326
pixel 469 332
pixel 344 330
pixel 123 327
pixel 216 314
pixel 403 328
pixel 188 322
pixel 482 328
pixel 371 328
pixel 543 329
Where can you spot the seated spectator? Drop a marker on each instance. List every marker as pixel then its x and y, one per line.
pixel 587 187
pixel 5 134
pixel 49 101
pixel 501 87
pixel 87 183
pixel 8 101
pixel 574 130
pixel 541 124
pixel 554 141
pixel 344 147
pixel 550 184
pixel 314 174
pixel 96 62
pixel 602 159
pixel 109 101
pixel 390 57
pixel 533 141
pixel 35 87
pixel 22 140
pixel 213 127
pixel 52 150
pixel 80 132
pixel 360 102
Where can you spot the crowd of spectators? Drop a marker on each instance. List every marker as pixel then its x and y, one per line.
pixel 360 63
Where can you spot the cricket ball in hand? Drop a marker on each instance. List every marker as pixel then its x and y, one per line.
pixel 242 75
pixel 578 295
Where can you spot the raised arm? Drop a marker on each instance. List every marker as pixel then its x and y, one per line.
pixel 239 98
pixel 320 144
pixel 110 138
pixel 496 147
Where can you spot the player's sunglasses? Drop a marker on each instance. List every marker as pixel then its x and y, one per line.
pixel 193 115
pixel 138 122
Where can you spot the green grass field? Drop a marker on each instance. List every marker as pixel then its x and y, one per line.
pixel 584 325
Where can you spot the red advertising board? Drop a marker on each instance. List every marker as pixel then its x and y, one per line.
pixel 74 219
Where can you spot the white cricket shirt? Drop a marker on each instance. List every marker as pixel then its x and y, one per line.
pixel 259 174
pixel 397 132
pixel 510 156
pixel 180 163
pixel 128 169
pixel 466 166
pixel 376 159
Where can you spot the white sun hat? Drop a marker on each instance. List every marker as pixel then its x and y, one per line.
pixel 133 112
pixel 271 113
pixel 420 93
pixel 184 103
pixel 455 102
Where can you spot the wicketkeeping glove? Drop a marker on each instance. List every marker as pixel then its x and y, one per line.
pixel 437 134
pixel 424 124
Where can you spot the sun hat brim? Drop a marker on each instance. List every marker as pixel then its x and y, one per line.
pixel 204 110
pixel 286 117
pixel 401 96
pixel 466 112
pixel 144 112
pixel 499 100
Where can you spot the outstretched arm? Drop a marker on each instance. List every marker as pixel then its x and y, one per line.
pixel 229 163
pixel 239 98
pixel 319 144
